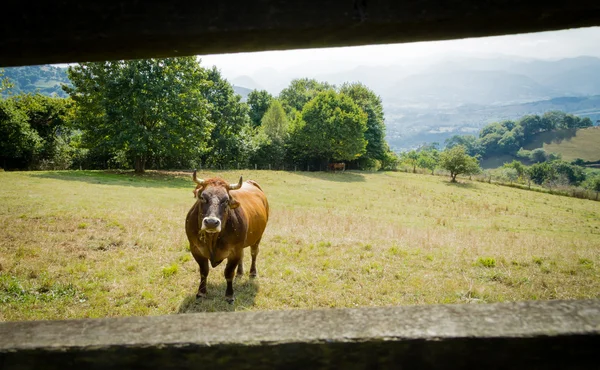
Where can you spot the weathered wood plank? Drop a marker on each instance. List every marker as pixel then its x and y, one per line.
pixel 524 335
pixel 37 32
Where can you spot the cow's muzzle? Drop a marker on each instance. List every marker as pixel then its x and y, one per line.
pixel 211 225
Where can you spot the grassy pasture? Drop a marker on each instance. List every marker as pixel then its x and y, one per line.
pixel 570 143
pixel 94 244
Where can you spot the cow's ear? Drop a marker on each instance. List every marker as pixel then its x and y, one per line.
pixel 233 204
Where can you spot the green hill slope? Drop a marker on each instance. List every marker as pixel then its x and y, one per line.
pixel 571 143
pixel 45 79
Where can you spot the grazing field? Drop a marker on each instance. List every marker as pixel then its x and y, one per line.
pixel 95 244
pixel 570 143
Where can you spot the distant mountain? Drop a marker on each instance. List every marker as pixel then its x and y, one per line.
pixel 44 79
pixel 466 87
pixel 243 91
pixel 246 81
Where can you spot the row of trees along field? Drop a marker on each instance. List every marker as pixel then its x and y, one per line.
pixel 173 113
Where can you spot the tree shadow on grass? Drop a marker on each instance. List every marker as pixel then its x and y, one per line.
pixel 462 185
pixel 245 290
pixel 346 176
pixel 153 179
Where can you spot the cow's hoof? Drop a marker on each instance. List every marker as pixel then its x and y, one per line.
pixel 253 275
pixel 230 300
pixel 200 295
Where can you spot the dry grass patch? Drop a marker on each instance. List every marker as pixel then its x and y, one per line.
pixel 93 244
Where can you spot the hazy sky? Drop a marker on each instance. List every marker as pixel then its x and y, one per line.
pixel 543 45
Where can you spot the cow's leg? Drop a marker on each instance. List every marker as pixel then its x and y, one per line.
pixel 240 267
pixel 203 262
pixel 254 252
pixel 232 263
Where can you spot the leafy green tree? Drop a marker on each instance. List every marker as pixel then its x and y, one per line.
pixel 517 166
pixel 542 172
pixel 271 137
pixel 227 116
pixel 457 162
pixel 538 155
pixel 142 108
pixel 411 158
pixel 390 161
pixel 593 183
pixel 19 143
pixel 275 123
pixel 5 83
pixel 469 142
pixel 585 122
pixel 429 159
pixel 371 104
pixel 332 128
pixel 300 92
pixel 258 101
pixel 574 174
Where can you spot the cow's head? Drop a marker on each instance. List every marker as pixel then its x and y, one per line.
pixel 215 203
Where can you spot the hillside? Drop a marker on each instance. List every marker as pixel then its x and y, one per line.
pixel 242 91
pixel 379 239
pixel 45 79
pixel 571 144
pixel 411 126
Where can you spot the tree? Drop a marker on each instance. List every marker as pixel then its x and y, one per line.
pixel 458 162
pixel 371 104
pixel 142 108
pixel 470 142
pixel 542 172
pixel 332 127
pixel 19 143
pixel 227 116
pixel 275 123
pixel 5 83
pixel 593 183
pixel 412 158
pixel 517 166
pixel 259 102
pixel 272 136
pixel 538 155
pixel 300 92
pixel 429 159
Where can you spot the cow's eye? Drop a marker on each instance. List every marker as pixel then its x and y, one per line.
pixel 203 200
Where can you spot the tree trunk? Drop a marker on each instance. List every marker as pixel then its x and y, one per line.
pixel 140 164
pixel 415 168
pixel 453 177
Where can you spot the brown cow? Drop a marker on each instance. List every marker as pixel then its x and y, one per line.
pixel 225 219
pixel 337 166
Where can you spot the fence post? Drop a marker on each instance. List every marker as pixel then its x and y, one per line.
pixel 294 168
pixel 254 166
pixel 269 166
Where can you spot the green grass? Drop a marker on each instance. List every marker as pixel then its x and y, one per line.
pixel 571 144
pixel 94 244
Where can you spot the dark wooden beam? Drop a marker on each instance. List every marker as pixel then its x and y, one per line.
pixel 38 32
pixel 524 335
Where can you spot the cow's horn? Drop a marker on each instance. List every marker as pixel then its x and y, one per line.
pixel 196 180
pixel 236 186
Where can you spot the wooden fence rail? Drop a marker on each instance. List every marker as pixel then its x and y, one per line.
pixel 523 335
